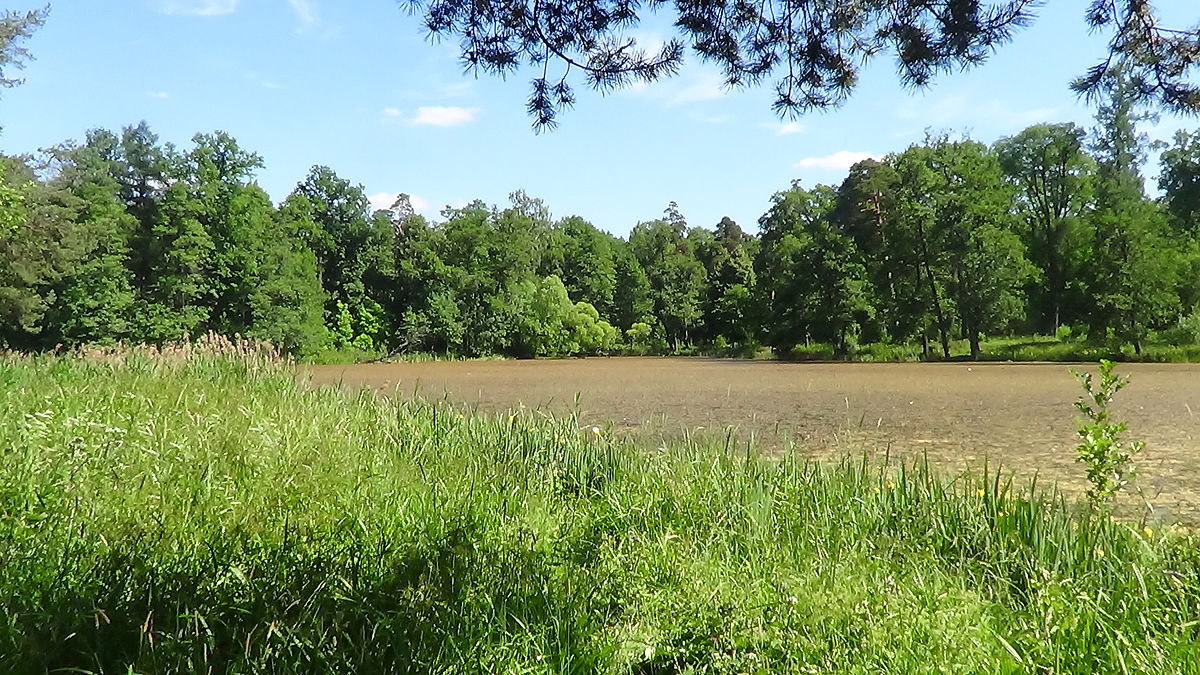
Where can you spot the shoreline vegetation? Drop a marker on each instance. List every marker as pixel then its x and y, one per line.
pixel 196 509
pixel 1031 348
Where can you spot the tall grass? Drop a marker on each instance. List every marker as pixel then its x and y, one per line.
pixel 206 514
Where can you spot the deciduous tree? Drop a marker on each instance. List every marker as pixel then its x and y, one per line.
pixel 1054 178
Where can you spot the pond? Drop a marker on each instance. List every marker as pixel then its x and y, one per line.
pixel 1017 415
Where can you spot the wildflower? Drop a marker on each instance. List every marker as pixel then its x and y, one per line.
pixel 1148 531
pixel 979 492
pixel 1099 552
pixel 792 600
pixel 596 430
pixel 890 484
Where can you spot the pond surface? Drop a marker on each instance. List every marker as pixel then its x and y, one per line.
pixel 1018 415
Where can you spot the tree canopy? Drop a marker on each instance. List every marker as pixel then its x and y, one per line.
pixel 122 237
pixel 15 27
pixel 811 50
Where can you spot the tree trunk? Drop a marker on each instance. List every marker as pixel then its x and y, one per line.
pixel 943 336
pixel 933 294
pixel 973 337
pixel 1056 293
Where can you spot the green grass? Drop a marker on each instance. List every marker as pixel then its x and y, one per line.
pixel 1041 348
pixel 1017 348
pixel 1014 348
pixel 206 514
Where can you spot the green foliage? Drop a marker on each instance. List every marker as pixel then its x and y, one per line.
pixel 183 288
pixel 729 310
pixel 867 211
pixel 1134 267
pixel 354 253
pixel 587 265
pixel 126 238
pixel 15 27
pixel 957 208
pixel 676 277
pixel 818 287
pixel 594 335
pixel 1133 272
pixel 358 329
pixel 286 302
pixel 633 297
pixel 545 327
pixel 1179 181
pixel 639 335
pixel 12 201
pixel 551 325
pixel 235 521
pixel 95 300
pixel 1186 331
pixel 1055 180
pixel 36 255
pixel 1109 460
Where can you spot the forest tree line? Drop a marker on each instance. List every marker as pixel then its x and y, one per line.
pixel 121 237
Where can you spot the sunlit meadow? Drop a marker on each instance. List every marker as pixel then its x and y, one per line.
pixel 195 510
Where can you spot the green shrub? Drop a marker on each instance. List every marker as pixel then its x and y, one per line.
pixel 1185 333
pixel 1109 460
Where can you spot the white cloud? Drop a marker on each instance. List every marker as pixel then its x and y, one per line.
pixel 960 108
pixel 201 7
pixel 384 200
pixel 457 89
pixel 268 84
pixel 1165 128
pixel 443 116
pixel 840 160
pixel 708 87
pixel 703 86
pixel 306 12
pixel 391 112
pixel 712 119
pixel 933 112
pixel 650 41
pixel 435 88
pixel 158 94
pixel 785 128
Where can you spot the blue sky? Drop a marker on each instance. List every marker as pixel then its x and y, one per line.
pixel 355 86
